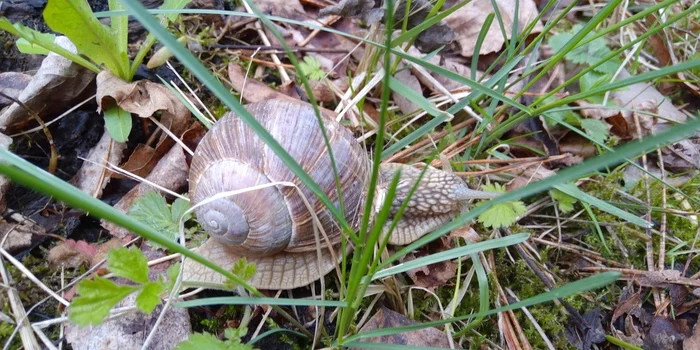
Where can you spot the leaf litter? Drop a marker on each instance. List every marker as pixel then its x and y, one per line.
pixel 628 115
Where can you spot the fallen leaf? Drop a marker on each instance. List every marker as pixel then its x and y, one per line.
pixel 532 173
pixel 93 175
pixel 171 173
pixel 465 232
pixel 12 84
pixel 468 20
pixel 385 318
pixel 584 336
pixel 693 342
pixel 362 9
pixel 625 306
pixel 19 233
pixel 665 333
pixel 405 104
pixel 255 91
pixel 144 98
pixel 71 254
pixel 191 138
pixel 58 83
pixel 434 275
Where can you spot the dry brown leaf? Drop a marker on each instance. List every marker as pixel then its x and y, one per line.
pixel 144 98
pixel 468 20
pixel 385 318
pixel 577 145
pixel 20 232
pixel 171 173
pixel 434 275
pixel 405 104
pixel 466 232
pixel 93 175
pixel 532 173
pixel 56 84
pixel 12 84
pixel 255 91
pixel 693 342
pixel 73 254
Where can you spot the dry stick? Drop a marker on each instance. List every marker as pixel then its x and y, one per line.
pixel 532 320
pixel 506 317
pixel 53 160
pixel 277 49
pixel 266 41
pixel 662 228
pixel 425 142
pixel 580 251
pixel 510 167
pixel 647 216
pixel 23 325
pixel 330 20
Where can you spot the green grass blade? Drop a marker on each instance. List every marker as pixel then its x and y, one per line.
pixel 573 191
pixel 611 158
pixel 415 97
pixel 258 301
pixel 452 254
pixel 572 288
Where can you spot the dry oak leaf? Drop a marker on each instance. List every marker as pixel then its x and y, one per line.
pixel 385 318
pixel 93 176
pixel 468 20
pixel 56 84
pixel 144 98
pixel 433 275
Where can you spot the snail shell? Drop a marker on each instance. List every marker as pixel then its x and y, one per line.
pixel 272 227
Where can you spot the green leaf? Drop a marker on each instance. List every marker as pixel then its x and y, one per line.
pixel 149 297
pixel 564 201
pixel 118 123
pixel 75 20
pixel 25 46
pixel 200 341
pixel 311 68
pixel 596 129
pixel 128 263
pixel 152 210
pixel 179 207
pixel 587 54
pixel 172 273
pixel 120 26
pixel 96 297
pixel 243 270
pixel 173 5
pixel 36 38
pixel 501 215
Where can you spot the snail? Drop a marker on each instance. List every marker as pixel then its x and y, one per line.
pixel 271 224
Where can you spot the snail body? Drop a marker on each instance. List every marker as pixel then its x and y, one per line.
pixel 269 219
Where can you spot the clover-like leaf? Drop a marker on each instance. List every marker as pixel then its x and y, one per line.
pixel 95 299
pixel 128 263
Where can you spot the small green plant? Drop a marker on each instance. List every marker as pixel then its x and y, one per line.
pixel 153 210
pixel 99 295
pixel 565 203
pixel 501 215
pixel 311 68
pixel 99 46
pixel 588 55
pixel 205 340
